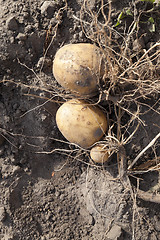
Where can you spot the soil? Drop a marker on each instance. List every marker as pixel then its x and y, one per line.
pixel 48 193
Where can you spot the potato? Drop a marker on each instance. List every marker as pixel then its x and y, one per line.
pixel 99 154
pixel 81 123
pixel 76 67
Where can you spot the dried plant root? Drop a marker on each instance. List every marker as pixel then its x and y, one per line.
pixel 146 196
pixel 150 197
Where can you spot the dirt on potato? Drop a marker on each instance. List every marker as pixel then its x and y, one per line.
pixel 51 189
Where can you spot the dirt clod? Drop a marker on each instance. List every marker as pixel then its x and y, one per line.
pixel 11 23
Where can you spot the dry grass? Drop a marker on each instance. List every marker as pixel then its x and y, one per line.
pixel 129 81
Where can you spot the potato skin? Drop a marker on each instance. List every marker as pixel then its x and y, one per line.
pixel 99 154
pixel 81 123
pixel 76 67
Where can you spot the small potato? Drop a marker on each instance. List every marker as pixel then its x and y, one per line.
pixel 77 67
pixel 81 123
pixel 99 154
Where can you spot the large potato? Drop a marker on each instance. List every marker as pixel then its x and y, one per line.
pixel 81 123
pixel 77 67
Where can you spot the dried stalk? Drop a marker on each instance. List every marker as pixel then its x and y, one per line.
pixel 144 150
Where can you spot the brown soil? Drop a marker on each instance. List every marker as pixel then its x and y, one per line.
pixel 56 195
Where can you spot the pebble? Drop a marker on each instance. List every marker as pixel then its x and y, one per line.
pixel 115 233
pixel 47 8
pixel 21 37
pixel 11 40
pixel 12 24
